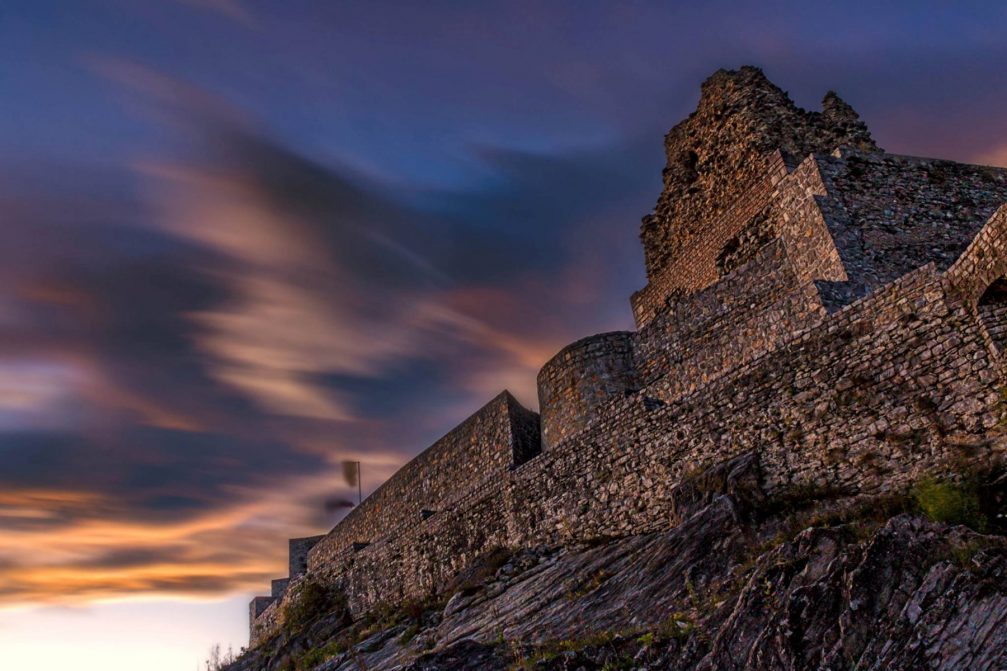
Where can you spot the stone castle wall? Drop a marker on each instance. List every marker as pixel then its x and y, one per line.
pixel 486 445
pixel 581 379
pixel 696 266
pixel 705 335
pixel 893 387
pixel 795 329
pixel 715 155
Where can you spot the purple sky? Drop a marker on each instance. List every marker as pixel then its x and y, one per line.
pixel 242 241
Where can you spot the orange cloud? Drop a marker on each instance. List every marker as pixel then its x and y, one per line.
pixel 221 551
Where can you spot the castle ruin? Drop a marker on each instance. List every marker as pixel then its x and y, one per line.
pixel 838 311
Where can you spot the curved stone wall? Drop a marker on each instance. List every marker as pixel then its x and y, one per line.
pixel 581 378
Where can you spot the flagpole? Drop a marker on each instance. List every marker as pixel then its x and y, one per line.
pixel 360 486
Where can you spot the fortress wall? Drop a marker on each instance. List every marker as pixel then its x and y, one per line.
pixel 889 387
pixel 897 213
pixel 766 291
pixel 799 216
pixel 983 261
pixel 262 619
pixel 298 549
pixel 795 309
pixel 749 312
pixel 484 445
pixel 695 267
pixel 278 587
pixel 581 378
pixel 886 389
pixel 713 156
pixel 422 559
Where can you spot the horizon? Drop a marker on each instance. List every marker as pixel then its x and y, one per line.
pixel 246 241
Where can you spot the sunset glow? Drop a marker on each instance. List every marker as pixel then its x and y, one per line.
pixel 242 241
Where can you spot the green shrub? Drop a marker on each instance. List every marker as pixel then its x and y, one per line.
pixel 317 656
pixel 409 634
pixel 311 600
pixel 949 502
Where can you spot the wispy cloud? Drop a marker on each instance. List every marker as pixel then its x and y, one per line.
pixel 204 336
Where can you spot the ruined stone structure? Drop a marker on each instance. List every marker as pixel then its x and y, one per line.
pixel 837 311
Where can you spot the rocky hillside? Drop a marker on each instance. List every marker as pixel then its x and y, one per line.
pixel 804 581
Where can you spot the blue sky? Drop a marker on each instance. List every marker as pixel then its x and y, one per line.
pixel 241 241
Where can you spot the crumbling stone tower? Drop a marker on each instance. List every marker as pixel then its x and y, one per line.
pixel 725 148
pixel 835 312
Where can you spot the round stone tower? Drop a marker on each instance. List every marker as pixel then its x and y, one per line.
pixel 581 378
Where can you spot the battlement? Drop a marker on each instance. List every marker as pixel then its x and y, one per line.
pixel 837 312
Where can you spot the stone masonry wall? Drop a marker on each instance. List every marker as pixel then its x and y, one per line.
pixel 483 446
pixel 697 265
pixel 715 155
pixel 750 312
pixel 894 214
pixel 262 619
pixel 890 387
pixel 784 317
pixel 580 379
pixel 297 553
pixel 886 389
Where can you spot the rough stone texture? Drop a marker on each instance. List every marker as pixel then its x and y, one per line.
pixel 582 378
pixel 483 448
pixel 837 311
pixel 894 214
pixel 261 619
pixel 279 587
pixel 733 586
pixel 706 257
pixel 704 335
pixel 298 554
pixel 718 153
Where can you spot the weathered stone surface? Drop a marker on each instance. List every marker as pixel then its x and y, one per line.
pixel 717 154
pixel 723 590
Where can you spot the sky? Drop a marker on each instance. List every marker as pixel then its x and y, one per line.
pixel 242 241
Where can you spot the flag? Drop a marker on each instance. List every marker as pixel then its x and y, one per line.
pixel 351 473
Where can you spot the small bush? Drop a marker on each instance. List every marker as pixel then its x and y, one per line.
pixel 409 634
pixel 317 656
pixel 949 502
pixel 312 599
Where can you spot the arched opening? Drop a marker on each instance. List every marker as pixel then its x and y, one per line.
pixel 992 308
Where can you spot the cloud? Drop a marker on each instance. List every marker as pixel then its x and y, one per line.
pixel 194 342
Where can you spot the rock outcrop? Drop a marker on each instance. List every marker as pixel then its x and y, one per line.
pixel 744 582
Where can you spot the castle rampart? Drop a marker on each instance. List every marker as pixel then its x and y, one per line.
pixel 698 265
pixel 582 378
pixel 298 554
pixel 752 310
pixel 800 333
pixel 486 445
pixel 896 385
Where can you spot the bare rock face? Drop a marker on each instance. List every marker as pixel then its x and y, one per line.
pixel 742 583
pixel 717 153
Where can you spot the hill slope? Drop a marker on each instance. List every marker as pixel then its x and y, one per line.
pixel 799 582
